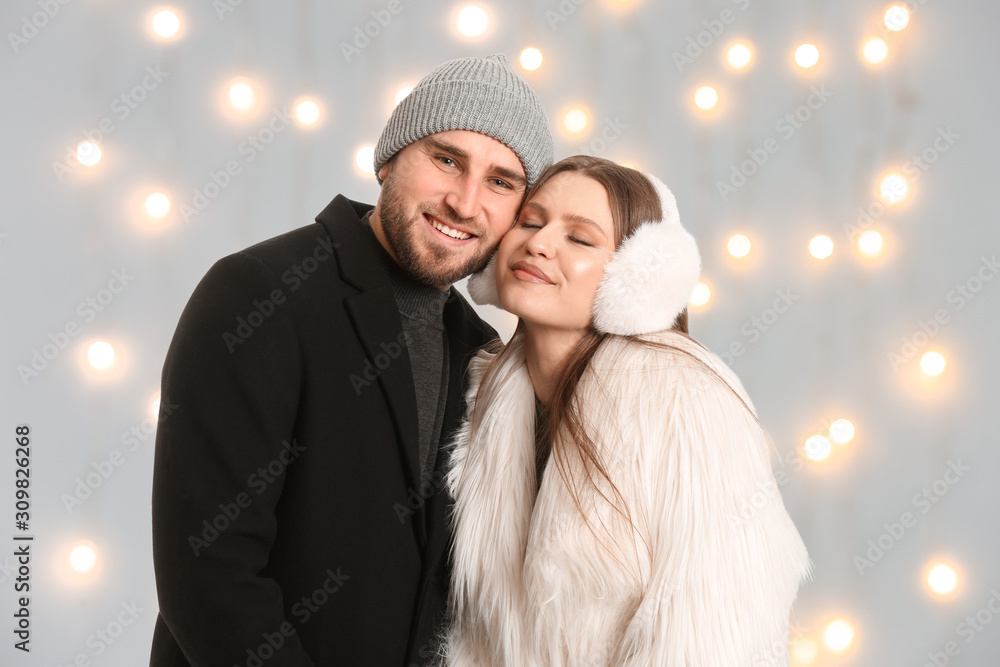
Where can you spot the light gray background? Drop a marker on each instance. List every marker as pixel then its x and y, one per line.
pixel 825 357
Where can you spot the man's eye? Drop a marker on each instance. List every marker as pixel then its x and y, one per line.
pixel 446 160
pixel 502 183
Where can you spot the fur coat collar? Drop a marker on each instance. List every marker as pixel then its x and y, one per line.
pixel 699 570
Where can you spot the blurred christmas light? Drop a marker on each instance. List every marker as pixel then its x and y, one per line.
pixel 576 120
pixel 738 245
pixel 307 112
pixel 402 93
pixel 817 447
pixel 365 159
pixel 894 188
pixel 841 431
pixel 739 55
pixel 942 579
pixel 166 23
pixel 821 246
pixel 932 363
pixel 870 243
pixel 706 97
pixel 101 355
pixel 839 635
pixel 82 558
pixel 701 294
pixel 896 18
pixel 88 153
pixel 241 95
pixel 157 204
pixel 472 21
pixel 806 56
pixel 531 59
pixel 875 50
pixel 804 651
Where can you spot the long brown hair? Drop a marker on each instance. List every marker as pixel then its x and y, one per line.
pixel 633 201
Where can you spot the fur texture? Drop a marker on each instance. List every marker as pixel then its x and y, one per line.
pixel 483 285
pixel 649 279
pixel 700 573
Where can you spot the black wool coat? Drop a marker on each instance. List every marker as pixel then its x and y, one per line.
pixel 289 525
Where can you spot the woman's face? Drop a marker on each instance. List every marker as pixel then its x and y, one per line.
pixel 550 263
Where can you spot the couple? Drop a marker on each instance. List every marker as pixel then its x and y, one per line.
pixel 588 505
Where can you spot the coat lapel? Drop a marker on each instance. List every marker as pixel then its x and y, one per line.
pixel 464 335
pixel 375 318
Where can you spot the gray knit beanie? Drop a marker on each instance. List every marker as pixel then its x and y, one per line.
pixel 480 94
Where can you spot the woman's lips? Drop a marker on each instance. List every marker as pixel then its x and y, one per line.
pixel 530 273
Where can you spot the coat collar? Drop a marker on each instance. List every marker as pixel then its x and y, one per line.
pixel 375 318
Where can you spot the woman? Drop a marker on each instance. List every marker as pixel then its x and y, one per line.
pixel 603 475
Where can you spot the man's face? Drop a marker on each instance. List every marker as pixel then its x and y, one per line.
pixel 446 202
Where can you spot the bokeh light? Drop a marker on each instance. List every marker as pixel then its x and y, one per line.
pixel 942 579
pixel 576 120
pixel 738 245
pixel 932 363
pixel 870 243
pixel 739 55
pixel 472 21
pixel 817 447
pixel 101 355
pixel 307 112
pixel 804 651
pixel 241 95
pixel 531 59
pixel 402 93
pixel 896 18
pixel 88 153
pixel 364 160
pixel 875 50
pixel 166 24
pixel 894 188
pixel 806 56
pixel 157 204
pixel 838 635
pixel 841 431
pixel 701 294
pixel 82 558
pixel 821 246
pixel 706 97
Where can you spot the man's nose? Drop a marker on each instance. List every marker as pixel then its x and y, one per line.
pixel 464 198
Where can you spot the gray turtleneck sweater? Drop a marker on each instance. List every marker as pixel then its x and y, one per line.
pixel 421 309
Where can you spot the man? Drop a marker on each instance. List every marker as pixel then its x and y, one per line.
pixel 297 513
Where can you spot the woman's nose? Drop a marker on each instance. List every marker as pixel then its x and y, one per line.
pixel 541 242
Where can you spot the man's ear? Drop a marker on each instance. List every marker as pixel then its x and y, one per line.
pixel 384 170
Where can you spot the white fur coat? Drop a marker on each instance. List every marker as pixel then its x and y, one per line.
pixel 704 575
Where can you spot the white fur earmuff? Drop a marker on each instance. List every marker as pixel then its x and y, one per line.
pixel 647 282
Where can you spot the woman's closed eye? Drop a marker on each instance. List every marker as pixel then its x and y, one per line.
pixel 531 224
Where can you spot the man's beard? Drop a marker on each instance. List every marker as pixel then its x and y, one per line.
pixel 436 268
